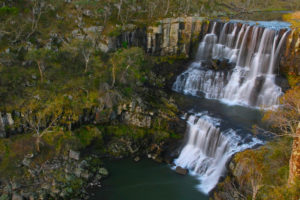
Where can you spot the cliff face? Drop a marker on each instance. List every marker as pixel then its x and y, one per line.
pixel 178 36
pixel 294 171
pixel 291 58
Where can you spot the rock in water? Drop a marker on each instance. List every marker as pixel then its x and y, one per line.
pixel 102 171
pixel 181 171
pixel 137 159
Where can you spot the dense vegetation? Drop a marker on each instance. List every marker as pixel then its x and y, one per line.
pixel 53 74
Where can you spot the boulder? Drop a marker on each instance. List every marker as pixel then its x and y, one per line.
pixel 85 175
pixel 137 159
pixel 181 171
pixel 77 172
pixel 74 155
pixel 26 162
pixel 102 171
pixel 9 119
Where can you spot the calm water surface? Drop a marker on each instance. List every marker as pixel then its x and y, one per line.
pixel 146 180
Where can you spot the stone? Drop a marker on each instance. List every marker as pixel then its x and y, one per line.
pixel 30 155
pixel 83 164
pixel 74 155
pixel 15 185
pixel 2 127
pixel 55 191
pixel 17 197
pixel 26 162
pixel 45 186
pixel 181 171
pixel 85 175
pixel 32 197
pixel 77 172
pixel 9 119
pixel 137 159
pixel 102 171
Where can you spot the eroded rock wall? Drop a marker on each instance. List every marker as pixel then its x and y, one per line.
pixel 168 37
pixel 291 58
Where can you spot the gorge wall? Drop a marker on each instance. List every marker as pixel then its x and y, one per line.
pixel 177 37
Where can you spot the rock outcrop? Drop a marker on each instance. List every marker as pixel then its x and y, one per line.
pixel 171 36
pixel 294 172
pixel 291 58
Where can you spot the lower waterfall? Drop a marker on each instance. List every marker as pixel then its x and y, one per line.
pixel 208 148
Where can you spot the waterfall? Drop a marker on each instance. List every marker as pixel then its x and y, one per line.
pixel 208 148
pixel 237 64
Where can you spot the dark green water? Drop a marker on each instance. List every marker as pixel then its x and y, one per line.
pixel 146 180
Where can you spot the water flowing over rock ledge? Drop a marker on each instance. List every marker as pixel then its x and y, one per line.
pixel 248 60
pixel 209 147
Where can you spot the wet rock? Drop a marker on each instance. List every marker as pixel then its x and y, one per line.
pixel 282 82
pixel 137 159
pixel 74 155
pixel 181 171
pixel 102 171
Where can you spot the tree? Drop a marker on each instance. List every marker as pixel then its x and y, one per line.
pixel 127 65
pixel 41 57
pixel 285 121
pixel 40 113
pixel 37 9
pixel 83 48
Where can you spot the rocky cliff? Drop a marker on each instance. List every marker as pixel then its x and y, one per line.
pixel 171 36
pixel 294 163
pixel 291 58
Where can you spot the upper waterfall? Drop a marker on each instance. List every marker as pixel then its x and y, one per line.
pixel 237 63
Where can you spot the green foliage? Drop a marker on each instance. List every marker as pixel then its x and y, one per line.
pixel 128 65
pixel 5 10
pixel 267 166
pixel 87 134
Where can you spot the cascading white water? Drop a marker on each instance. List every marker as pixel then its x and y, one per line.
pixel 253 51
pixel 208 149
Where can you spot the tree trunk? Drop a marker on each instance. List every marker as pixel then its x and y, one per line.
pixel 294 171
pixel 70 126
pixel 168 5
pixel 86 66
pixel 37 143
pixel 41 70
pixel 113 76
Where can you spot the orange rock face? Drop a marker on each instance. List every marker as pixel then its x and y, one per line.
pixel 295 158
